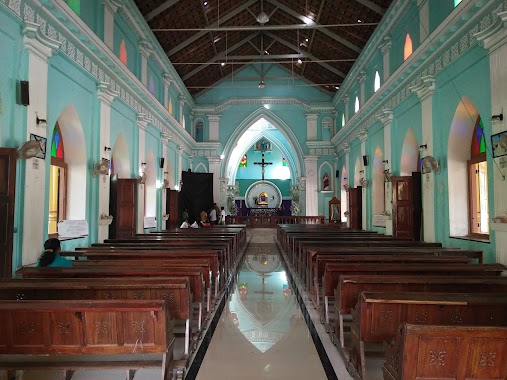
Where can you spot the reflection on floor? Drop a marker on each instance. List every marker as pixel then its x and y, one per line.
pixel 262 333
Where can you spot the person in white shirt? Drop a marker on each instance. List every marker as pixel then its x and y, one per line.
pixel 213 214
pixel 222 216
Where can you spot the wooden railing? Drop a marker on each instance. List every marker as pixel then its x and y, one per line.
pixel 272 221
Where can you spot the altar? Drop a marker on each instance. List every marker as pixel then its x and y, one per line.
pixel 264 197
pixel 263 211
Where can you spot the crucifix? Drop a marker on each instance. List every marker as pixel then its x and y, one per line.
pixel 263 164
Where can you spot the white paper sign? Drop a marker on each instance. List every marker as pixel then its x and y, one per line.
pixel 379 221
pixel 73 228
pixel 150 222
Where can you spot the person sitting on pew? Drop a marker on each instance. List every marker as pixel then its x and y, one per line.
pixel 50 257
pixel 204 219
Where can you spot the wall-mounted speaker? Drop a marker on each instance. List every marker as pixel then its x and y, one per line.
pixel 365 160
pixel 337 174
pixel 162 161
pixel 22 93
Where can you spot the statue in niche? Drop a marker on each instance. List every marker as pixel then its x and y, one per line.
pixel 263 199
pixel 325 182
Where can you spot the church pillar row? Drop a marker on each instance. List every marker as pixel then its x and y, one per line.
pixel 424 19
pixel 142 124
pixel 106 96
pixel 363 136
pixel 495 40
pixel 386 118
pixel 311 127
pixel 425 90
pixel 214 127
pixel 110 8
pixel 361 78
pixel 311 185
pixel 214 167
pixel 385 49
pixel 145 50
pixel 346 149
pixel 39 49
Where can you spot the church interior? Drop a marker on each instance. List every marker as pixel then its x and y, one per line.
pixel 321 143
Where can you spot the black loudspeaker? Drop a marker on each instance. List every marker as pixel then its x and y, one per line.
pixel 162 161
pixel 365 160
pixel 337 174
pixel 22 95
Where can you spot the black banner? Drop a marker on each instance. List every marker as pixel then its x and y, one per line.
pixel 196 194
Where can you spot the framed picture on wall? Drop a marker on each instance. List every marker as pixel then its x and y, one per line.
pixel 42 143
pixel 499 144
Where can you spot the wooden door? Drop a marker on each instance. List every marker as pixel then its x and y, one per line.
pixel 122 206
pixel 172 209
pixel 7 192
pixel 356 208
pixel 403 218
pixel 417 204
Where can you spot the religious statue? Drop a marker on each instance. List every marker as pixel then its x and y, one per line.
pixel 325 182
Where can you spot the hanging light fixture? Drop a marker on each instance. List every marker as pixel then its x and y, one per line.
pixel 262 84
pixel 262 18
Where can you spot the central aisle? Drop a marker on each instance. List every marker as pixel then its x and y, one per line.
pixel 261 333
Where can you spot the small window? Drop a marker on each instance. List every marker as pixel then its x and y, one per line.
pixel 407 51
pixel 478 183
pixel 244 161
pixel 343 120
pixel 57 182
pixel 356 105
pixel 457 2
pixel 123 52
pixel 376 84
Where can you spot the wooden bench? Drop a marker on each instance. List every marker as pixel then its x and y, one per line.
pixel 447 352
pixel 350 287
pixel 376 317
pixel 56 328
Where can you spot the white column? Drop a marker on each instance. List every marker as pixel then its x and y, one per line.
pixel 386 118
pixel 361 78
pixel 214 127
pixel 181 151
pixel 39 48
pixel 214 163
pixel 142 124
pixel 110 8
pixel 311 185
pixel 425 90
pixel 145 50
pixel 424 19
pixel 301 182
pixel 106 96
pixel 346 149
pixel 181 100
pixel 167 86
pixel 346 104
pixel 164 139
pixel 363 136
pixel 221 200
pixel 311 127
pixel 385 49
pixel 495 40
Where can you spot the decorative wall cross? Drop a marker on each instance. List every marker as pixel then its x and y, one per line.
pixel 263 164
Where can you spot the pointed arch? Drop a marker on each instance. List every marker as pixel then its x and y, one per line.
pixel 201 168
pixel 376 82
pixel 293 153
pixel 356 105
pixel 343 120
pixel 409 154
pixel 123 52
pixel 120 158
pixel 170 107
pixel 408 49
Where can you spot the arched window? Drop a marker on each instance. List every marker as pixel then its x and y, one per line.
pixel 123 52
pixel 151 86
pixel 407 51
pixel 376 83
pixel 457 2
pixel 199 131
pixel 343 120
pixel 57 182
pixel 170 106
pixel 356 105
pixel 75 5
pixel 478 182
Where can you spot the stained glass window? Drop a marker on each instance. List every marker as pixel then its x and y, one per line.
pixel 407 51
pixel 478 140
pixel 75 5
pixel 244 162
pixel 123 52
pixel 284 161
pixel 57 143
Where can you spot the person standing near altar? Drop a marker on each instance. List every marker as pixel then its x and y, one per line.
pixel 213 214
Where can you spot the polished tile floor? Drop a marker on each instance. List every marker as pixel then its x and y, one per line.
pixel 261 333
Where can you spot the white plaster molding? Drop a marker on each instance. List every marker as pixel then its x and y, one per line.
pixel 142 121
pixel 112 5
pixel 165 137
pixel 386 116
pixel 425 88
pixel 105 93
pixel 345 147
pixel 214 118
pixel 362 135
pixel 167 80
pixel 37 42
pixel 145 49
pixel 386 44
pixel 308 107
pixel 361 77
pixel 495 36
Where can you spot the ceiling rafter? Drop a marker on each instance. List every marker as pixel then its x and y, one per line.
pixel 374 7
pixel 310 43
pixel 328 33
pixel 158 10
pixel 198 35
pixel 311 57
pixel 220 55
pixel 203 8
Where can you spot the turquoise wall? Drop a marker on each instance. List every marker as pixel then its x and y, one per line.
pixel 439 10
pixel 375 139
pixel 123 32
pixel 123 121
pixel 409 24
pixel 253 171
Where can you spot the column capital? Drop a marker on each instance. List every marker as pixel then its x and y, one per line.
pixel 145 48
pixel 214 160
pixel 362 135
pixel 37 42
pixel 345 147
pixel 425 88
pixel 346 99
pixel 361 77
pixel 142 121
pixel 495 35
pixel 385 116
pixel 165 137
pixel 167 79
pixel 385 45
pixel 105 93
pixel 311 116
pixel 113 5
pixel 215 118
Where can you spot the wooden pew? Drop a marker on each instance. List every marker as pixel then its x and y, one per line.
pixel 54 328
pixel 376 317
pixel 350 286
pixel 175 290
pixel 447 352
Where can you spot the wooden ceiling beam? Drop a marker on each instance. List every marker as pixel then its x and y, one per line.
pixel 158 10
pixel 374 7
pixel 223 19
pixel 310 43
pixel 305 19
